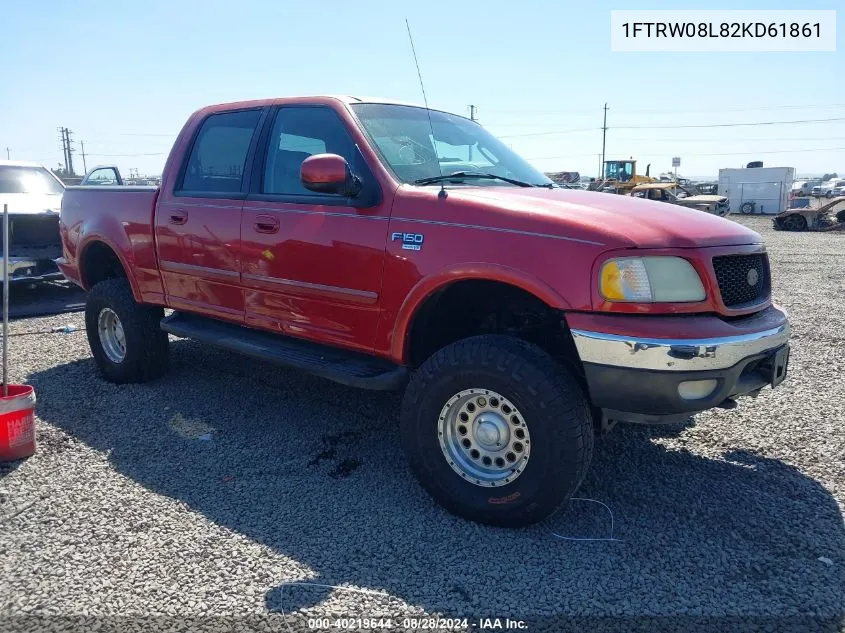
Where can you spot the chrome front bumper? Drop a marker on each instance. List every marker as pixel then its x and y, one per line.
pixel 27 269
pixel 647 380
pixel 706 354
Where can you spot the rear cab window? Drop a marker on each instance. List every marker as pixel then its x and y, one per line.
pixel 217 161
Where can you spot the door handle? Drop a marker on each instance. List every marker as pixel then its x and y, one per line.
pixel 178 217
pixel 266 224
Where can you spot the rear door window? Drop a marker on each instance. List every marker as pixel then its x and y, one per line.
pixel 218 158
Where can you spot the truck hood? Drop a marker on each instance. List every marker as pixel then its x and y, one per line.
pixel 31 203
pixel 611 219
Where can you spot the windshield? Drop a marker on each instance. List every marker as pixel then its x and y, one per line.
pixel 619 170
pixel 403 137
pixel 28 180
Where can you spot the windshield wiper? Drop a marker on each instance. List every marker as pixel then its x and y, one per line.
pixel 463 175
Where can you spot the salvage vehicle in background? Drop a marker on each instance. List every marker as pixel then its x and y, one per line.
pixel 102 176
pixel 804 187
pixel 33 195
pixel 388 246
pixel 686 197
pixel 707 188
pixel 828 217
pixel 826 188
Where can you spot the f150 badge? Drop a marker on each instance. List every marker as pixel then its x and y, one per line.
pixel 410 241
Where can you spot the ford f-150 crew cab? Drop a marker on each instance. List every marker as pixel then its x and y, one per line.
pixel 363 242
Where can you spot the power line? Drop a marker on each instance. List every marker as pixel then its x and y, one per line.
pixel 145 134
pixel 785 151
pixel 731 139
pixel 678 127
pixel 751 153
pixel 583 129
pixel 130 155
pixel 711 125
pixel 678 111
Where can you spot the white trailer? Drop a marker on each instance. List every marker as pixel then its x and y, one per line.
pixel 757 189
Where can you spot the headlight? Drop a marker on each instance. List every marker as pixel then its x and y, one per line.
pixel 650 280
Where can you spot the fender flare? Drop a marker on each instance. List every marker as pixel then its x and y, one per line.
pixel 88 239
pixel 429 285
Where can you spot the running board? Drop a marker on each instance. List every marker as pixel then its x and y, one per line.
pixel 347 368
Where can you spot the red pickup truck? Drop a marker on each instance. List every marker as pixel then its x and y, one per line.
pixel 386 246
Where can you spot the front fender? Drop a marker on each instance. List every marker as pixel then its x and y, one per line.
pixel 430 284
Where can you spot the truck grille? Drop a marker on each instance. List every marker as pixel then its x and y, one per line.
pixel 743 279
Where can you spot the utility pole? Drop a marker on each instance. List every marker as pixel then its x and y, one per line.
pixel 603 140
pixel 64 146
pixel 472 118
pixel 84 162
pixel 69 153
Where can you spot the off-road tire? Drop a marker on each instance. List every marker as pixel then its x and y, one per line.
pixel 556 412
pixel 147 347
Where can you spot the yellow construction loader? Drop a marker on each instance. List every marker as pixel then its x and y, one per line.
pixel 620 176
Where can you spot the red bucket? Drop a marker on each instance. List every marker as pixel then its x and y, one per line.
pixel 17 423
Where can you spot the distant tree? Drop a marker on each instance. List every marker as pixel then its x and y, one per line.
pixel 829 176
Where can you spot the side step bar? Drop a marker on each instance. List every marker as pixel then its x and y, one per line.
pixel 347 368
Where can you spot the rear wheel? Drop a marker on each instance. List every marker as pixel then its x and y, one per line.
pixel 126 339
pixel 496 431
pixel 747 208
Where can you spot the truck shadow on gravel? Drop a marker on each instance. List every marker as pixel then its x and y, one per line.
pixel 314 471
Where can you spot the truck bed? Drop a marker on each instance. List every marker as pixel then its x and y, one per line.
pixel 109 212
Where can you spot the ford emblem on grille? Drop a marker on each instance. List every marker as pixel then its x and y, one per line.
pixel 753 277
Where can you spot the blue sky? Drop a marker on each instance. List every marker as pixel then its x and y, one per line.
pixel 123 76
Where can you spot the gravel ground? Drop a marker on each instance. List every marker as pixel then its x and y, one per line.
pixel 195 502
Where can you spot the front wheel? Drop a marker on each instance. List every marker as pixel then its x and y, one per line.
pixel 126 338
pixel 795 222
pixel 496 430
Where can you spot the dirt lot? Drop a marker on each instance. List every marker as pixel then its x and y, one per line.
pixel 195 502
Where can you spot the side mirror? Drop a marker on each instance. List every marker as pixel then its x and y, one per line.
pixel 329 173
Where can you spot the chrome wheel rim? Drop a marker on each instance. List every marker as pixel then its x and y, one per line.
pixel 112 337
pixel 484 437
